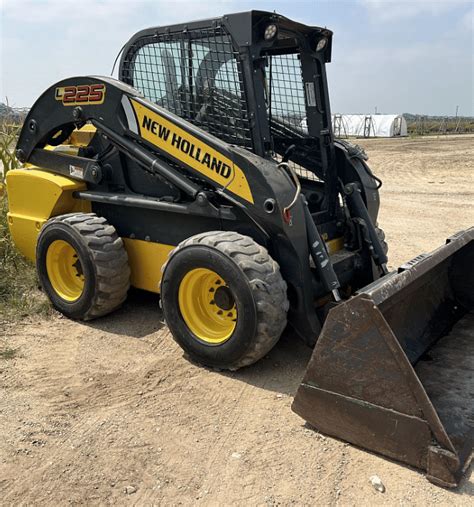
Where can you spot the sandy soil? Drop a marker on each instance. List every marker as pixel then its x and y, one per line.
pixel 111 412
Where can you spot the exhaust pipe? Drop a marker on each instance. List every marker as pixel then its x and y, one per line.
pixel 393 368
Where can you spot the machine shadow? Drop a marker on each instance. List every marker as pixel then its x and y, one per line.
pixel 466 486
pixel 139 316
pixel 281 370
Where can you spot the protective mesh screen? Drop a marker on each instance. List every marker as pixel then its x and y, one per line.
pixel 287 106
pixel 287 92
pixel 196 76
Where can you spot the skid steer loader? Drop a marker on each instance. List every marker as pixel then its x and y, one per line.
pixel 192 177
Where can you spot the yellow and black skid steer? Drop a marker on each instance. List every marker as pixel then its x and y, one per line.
pixel 209 174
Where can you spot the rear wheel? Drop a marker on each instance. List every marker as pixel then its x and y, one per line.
pixel 82 265
pixel 224 299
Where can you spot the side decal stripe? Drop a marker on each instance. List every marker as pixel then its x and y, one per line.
pixel 130 114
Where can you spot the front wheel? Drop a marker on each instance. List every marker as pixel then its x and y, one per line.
pixel 224 299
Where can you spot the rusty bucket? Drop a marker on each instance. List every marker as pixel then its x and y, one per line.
pixel 393 368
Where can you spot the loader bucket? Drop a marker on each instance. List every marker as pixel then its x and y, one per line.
pixel 393 368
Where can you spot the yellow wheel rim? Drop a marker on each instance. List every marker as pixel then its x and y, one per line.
pixel 207 306
pixel 64 270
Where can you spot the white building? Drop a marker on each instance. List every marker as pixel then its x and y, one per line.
pixel 369 125
pixel 366 125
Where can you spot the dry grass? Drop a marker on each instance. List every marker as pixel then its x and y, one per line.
pixel 19 293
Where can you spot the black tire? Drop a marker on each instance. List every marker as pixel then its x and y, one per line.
pixel 257 287
pixel 102 260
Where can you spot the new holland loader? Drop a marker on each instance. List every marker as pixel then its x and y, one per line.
pixel 193 178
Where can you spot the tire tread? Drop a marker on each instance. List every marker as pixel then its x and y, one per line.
pixel 109 259
pixel 265 280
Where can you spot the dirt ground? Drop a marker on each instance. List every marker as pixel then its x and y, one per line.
pixel 111 412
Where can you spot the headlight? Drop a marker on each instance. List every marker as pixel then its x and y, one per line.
pixel 321 44
pixel 270 31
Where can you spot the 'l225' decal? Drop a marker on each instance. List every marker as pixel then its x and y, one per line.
pixel 89 95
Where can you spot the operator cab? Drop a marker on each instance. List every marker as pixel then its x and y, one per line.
pixel 255 79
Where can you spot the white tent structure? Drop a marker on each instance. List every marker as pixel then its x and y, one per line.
pixel 369 125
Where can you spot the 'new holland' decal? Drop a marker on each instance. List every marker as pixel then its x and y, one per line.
pixel 183 146
pixel 188 148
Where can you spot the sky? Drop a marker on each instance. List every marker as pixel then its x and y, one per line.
pixel 392 56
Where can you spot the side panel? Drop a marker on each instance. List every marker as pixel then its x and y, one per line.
pixel 34 196
pixel 146 260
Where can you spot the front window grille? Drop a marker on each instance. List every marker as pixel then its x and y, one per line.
pixel 197 76
pixel 287 106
